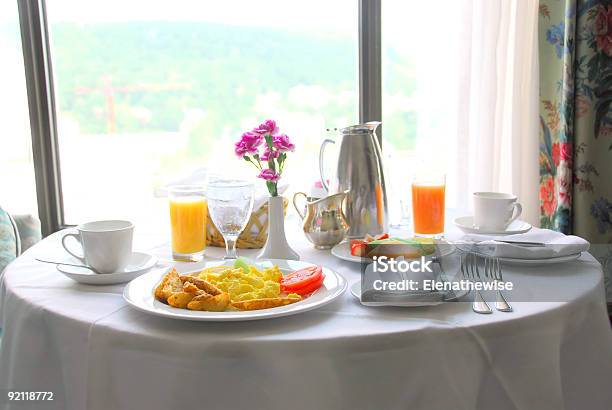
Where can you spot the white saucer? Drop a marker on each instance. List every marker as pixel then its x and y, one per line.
pixel 139 264
pixel 466 224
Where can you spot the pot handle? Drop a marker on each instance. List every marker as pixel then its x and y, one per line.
pixel 295 203
pixel 321 167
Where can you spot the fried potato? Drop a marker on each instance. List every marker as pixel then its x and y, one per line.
pixel 171 283
pixel 191 288
pixel 265 303
pixel 202 284
pixel 180 299
pixel 217 303
pixel 190 292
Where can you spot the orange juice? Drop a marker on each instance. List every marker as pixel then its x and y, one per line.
pixel 188 221
pixel 428 208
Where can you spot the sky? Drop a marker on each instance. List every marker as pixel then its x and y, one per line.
pixel 402 19
pixel 336 15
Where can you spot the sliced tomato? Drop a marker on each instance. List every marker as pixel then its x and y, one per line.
pixel 311 287
pixel 369 238
pixel 301 278
pixel 358 247
pixel 381 236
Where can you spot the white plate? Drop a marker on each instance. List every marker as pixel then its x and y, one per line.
pixel 466 224
pixel 405 301
pixel 140 294
pixel 343 251
pixel 545 261
pixel 139 264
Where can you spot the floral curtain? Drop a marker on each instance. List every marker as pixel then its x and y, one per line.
pixel 575 54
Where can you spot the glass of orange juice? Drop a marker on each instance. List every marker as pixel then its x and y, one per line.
pixel 428 205
pixel 188 213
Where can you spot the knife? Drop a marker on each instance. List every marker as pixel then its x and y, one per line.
pixel 521 243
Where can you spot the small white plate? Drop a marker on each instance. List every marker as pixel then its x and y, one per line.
pixel 545 261
pixel 139 264
pixel 343 251
pixel 408 300
pixel 466 224
pixel 140 293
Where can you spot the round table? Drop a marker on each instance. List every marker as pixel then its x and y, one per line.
pixel 93 351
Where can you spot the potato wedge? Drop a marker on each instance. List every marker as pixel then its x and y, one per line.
pixel 191 288
pixel 265 303
pixel 217 303
pixel 171 283
pixel 202 284
pixel 180 299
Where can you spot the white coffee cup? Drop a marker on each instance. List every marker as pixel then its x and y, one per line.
pixel 106 245
pixel 495 210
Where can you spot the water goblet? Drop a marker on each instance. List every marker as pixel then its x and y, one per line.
pixel 230 203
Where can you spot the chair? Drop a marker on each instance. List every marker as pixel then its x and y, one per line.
pixel 17 234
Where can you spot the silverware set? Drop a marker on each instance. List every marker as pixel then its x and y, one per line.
pixel 491 272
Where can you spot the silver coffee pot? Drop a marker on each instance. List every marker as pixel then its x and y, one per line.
pixel 360 171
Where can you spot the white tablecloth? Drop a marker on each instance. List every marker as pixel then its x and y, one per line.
pixel 94 352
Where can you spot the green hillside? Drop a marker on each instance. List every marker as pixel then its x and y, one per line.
pixel 218 68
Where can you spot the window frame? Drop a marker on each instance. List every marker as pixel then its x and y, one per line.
pixel 43 116
pixel 41 105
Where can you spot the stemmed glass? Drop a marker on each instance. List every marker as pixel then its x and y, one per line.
pixel 230 203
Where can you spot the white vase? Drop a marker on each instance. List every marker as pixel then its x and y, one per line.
pixel 276 246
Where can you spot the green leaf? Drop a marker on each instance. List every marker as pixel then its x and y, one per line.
pixel 242 264
pixel 268 138
pixel 272 189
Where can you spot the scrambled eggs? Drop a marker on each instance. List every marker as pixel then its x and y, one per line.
pixel 241 286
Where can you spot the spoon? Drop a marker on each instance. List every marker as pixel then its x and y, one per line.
pixel 68 264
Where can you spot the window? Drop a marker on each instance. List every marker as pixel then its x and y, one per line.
pixel 419 90
pixel 158 91
pixel 149 93
pixel 17 184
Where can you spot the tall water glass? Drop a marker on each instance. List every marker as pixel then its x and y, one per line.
pixel 230 203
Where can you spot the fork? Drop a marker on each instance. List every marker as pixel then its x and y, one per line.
pixel 492 268
pixel 470 271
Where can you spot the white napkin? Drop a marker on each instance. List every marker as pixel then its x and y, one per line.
pixel 557 244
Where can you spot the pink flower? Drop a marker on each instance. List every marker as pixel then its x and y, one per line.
pixel 267 127
pixel 282 143
pixel 269 175
pixel 269 154
pixel 603 30
pixel 240 149
pixel 248 144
